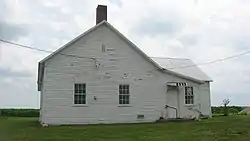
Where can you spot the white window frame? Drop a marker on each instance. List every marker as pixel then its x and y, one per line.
pixel 124 94
pixel 189 95
pixel 80 90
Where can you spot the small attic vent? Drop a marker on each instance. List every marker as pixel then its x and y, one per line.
pixel 103 48
pixel 140 116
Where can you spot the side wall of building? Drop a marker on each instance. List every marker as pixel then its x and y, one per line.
pixel 117 63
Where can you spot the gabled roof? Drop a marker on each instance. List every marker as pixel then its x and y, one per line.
pixel 182 66
pixel 159 64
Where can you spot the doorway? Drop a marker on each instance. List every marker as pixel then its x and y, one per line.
pixel 172 102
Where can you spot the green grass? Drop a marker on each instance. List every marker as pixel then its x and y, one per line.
pixel 235 128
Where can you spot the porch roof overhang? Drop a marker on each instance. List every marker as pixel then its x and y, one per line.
pixel 176 84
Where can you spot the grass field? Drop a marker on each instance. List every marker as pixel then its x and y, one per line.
pixel 233 128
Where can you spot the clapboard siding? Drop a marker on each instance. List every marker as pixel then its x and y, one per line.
pixel 121 65
pixel 205 99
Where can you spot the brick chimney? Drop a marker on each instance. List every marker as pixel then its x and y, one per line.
pixel 101 13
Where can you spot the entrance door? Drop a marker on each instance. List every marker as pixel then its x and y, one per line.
pixel 172 102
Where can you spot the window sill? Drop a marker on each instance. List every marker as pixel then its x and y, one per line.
pixel 124 105
pixel 188 105
pixel 80 105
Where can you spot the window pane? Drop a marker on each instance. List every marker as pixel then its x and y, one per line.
pixel 78 102
pixel 120 99
pixel 80 97
pixel 186 99
pixel 75 102
pixel 81 91
pixel 80 88
pixel 76 99
pixel 83 101
pixel 126 97
pixel 83 87
pixel 125 101
pixel 185 90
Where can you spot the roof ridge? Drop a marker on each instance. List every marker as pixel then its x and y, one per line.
pixel 170 58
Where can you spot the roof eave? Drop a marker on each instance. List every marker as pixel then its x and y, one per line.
pixel 184 76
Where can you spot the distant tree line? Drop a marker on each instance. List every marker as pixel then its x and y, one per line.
pixel 19 112
pixel 229 109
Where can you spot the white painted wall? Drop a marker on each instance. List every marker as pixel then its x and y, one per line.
pixel 205 99
pixel 147 84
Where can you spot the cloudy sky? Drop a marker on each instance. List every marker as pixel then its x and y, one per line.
pixel 202 30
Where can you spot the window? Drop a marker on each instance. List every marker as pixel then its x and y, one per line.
pixel 80 94
pixel 189 95
pixel 123 94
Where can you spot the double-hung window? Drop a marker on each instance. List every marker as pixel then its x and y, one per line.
pixel 189 95
pixel 80 93
pixel 124 94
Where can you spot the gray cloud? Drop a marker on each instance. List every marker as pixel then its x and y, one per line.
pixel 55 22
pixel 240 39
pixel 7 72
pixel 10 31
pixel 155 25
pixel 3 9
pixel 19 95
pixel 117 2
pixel 189 39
